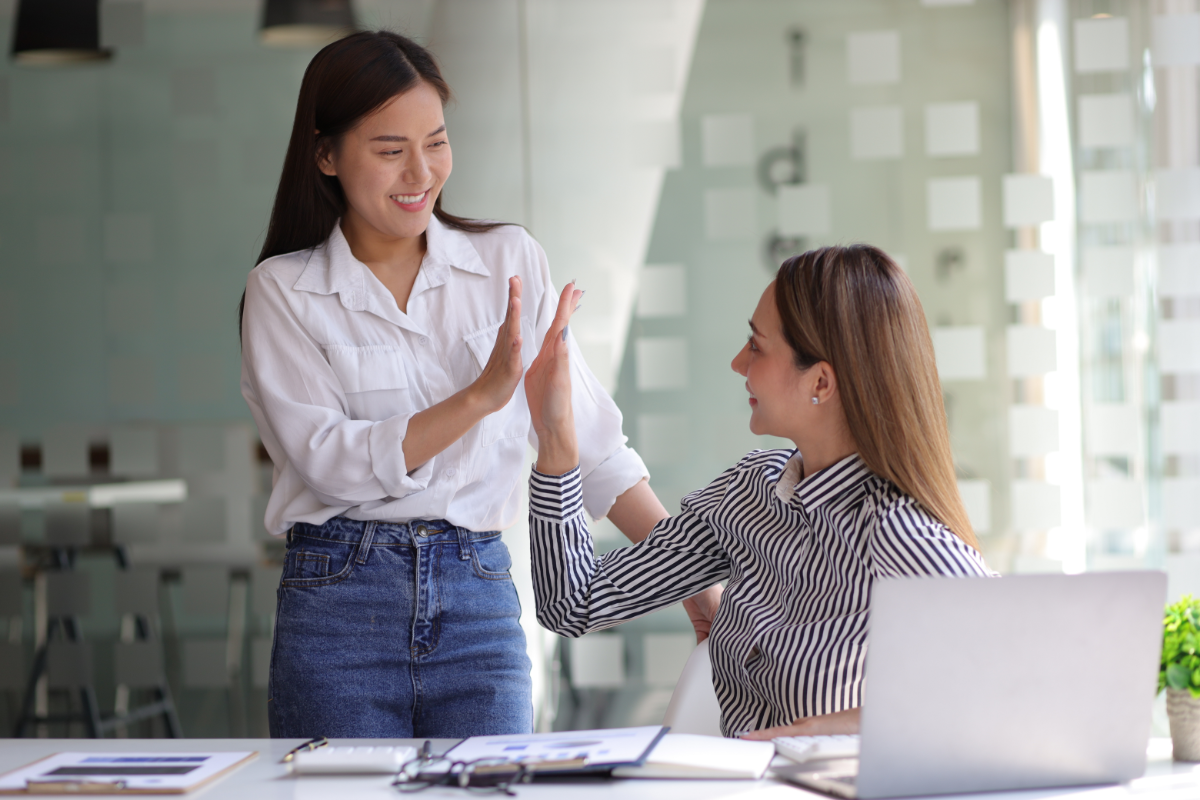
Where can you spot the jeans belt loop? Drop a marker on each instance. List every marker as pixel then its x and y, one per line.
pixel 464 544
pixel 364 545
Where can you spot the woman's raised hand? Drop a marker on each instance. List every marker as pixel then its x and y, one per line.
pixel 548 390
pixel 495 385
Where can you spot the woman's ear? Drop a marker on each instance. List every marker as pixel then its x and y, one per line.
pixel 825 387
pixel 325 158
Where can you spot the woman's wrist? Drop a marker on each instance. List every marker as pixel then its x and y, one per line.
pixel 478 401
pixel 558 452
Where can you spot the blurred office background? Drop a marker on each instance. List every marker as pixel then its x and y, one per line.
pixel 1033 164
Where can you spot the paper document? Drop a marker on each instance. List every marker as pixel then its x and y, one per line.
pixel 121 772
pixel 574 749
pixel 685 755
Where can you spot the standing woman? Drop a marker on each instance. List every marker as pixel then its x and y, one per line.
pixel 383 340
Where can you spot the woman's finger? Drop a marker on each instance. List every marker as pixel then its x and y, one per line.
pixel 512 320
pixel 766 734
pixel 562 315
pixel 839 722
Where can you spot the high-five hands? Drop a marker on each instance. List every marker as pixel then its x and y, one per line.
pixel 548 390
pixel 495 385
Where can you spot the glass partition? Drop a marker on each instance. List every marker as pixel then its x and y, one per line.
pixel 1034 166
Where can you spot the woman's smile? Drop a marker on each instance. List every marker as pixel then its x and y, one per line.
pixel 411 202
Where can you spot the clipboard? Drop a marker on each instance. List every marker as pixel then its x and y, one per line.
pixel 564 753
pixel 119 773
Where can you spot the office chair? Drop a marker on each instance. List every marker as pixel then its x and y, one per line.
pixel 693 707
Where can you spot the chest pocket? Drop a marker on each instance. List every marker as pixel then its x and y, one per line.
pixel 512 421
pixel 374 380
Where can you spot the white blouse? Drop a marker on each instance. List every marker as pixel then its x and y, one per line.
pixel 333 370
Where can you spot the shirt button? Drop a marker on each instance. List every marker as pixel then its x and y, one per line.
pixel 423 340
pixel 451 472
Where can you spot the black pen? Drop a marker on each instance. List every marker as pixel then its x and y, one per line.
pixel 311 744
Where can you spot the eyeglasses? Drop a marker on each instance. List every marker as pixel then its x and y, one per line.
pixel 484 775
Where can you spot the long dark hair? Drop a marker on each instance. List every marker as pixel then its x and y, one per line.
pixel 345 82
pixel 853 308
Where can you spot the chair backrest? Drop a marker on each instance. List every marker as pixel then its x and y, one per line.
pixel 693 707
pixel 137 592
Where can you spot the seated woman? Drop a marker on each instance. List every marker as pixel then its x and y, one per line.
pixel 839 360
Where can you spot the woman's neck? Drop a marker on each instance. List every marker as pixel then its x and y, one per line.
pixel 819 459
pixel 395 261
pixel 826 449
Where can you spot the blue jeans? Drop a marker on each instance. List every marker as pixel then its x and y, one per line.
pixel 397 630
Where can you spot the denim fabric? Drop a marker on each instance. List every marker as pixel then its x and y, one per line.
pixel 397 630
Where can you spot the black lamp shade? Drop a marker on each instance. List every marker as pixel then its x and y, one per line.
pixel 53 32
pixel 305 23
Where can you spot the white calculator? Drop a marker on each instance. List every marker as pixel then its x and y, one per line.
pixel 344 759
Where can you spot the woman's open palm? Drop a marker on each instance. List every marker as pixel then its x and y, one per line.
pixel 548 380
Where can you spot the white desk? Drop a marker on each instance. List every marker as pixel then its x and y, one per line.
pixel 266 778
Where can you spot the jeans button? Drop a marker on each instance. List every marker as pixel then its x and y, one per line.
pixel 422 530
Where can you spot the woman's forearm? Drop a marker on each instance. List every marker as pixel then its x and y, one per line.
pixel 433 430
pixel 637 510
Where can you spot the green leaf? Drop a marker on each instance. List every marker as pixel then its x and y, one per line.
pixel 1178 676
pixel 1179 667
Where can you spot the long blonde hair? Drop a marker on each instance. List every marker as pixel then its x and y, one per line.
pixel 853 308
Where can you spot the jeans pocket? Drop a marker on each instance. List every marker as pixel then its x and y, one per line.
pixel 490 559
pixel 310 565
pixel 315 562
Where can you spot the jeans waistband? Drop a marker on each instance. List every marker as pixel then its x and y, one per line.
pixel 341 529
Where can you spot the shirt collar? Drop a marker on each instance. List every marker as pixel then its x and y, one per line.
pixel 447 247
pixel 333 269
pixel 819 488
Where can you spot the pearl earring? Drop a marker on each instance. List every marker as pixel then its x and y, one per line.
pixel 816 400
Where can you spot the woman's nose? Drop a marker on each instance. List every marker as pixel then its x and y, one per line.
pixel 417 169
pixel 738 364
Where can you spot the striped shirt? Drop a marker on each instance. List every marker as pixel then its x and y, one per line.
pixel 789 639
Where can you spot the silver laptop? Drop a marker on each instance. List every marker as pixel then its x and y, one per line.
pixel 977 684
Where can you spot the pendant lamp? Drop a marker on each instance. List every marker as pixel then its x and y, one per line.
pixel 56 32
pixel 305 23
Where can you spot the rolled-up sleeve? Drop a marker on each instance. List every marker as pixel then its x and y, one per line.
pixel 608 466
pixel 295 395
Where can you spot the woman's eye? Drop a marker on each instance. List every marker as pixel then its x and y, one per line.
pixel 750 341
pixel 392 152
pixel 437 144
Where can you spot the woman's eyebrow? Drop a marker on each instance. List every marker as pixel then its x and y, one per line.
pixel 390 138
pixel 757 332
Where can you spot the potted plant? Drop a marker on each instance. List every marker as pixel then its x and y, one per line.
pixel 1179 674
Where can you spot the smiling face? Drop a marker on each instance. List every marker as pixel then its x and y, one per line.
pixel 780 394
pixel 393 164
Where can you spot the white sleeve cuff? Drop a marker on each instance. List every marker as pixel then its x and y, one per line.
pixel 387 459
pixel 611 478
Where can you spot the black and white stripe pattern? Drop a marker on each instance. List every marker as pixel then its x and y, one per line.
pixel 789 640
